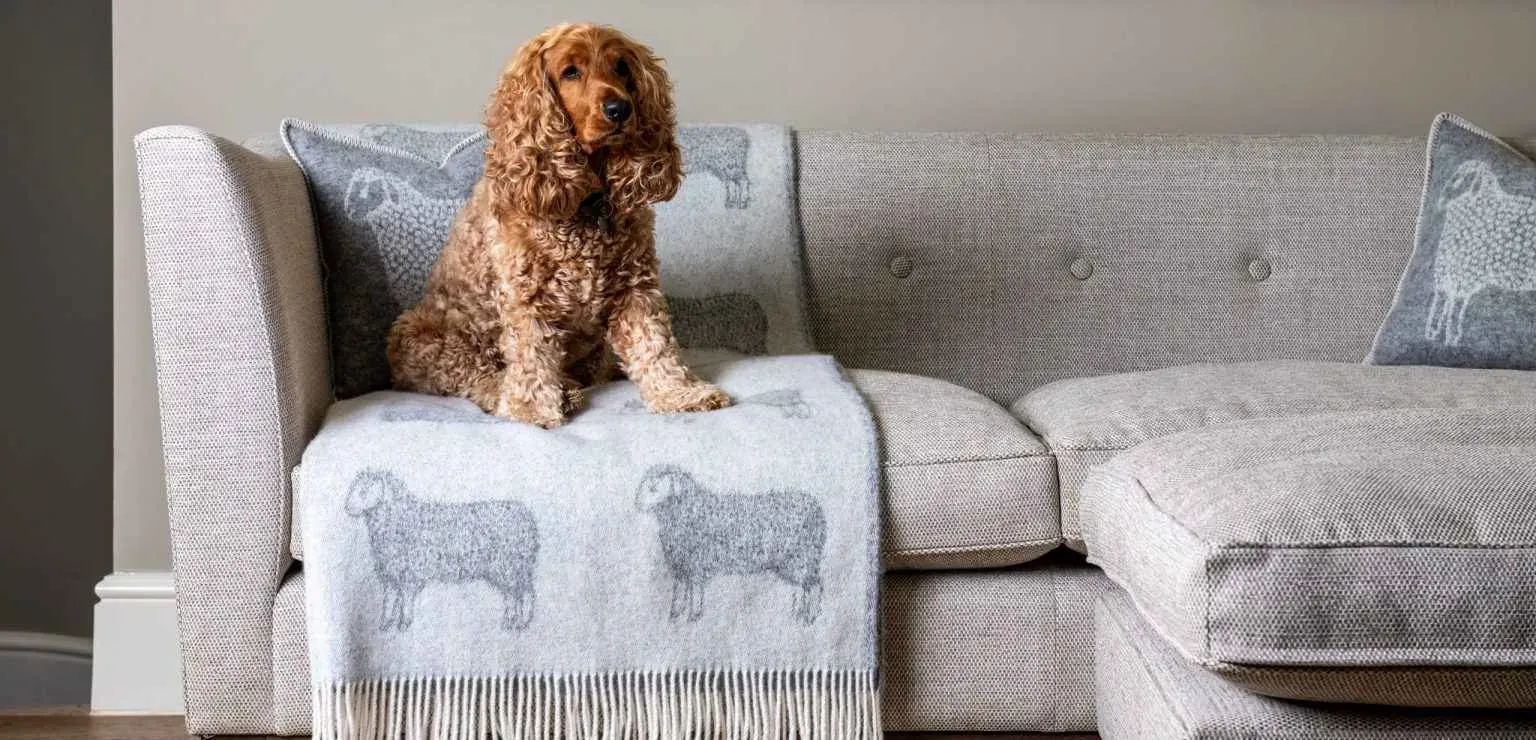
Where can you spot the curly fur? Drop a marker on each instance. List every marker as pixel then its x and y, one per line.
pixel 553 261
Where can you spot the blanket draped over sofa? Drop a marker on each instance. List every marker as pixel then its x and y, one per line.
pixel 625 575
pixel 628 574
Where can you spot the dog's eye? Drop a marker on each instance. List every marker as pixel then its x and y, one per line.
pixel 622 68
pixel 570 73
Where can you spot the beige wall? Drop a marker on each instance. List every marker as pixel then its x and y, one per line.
pixel 1316 66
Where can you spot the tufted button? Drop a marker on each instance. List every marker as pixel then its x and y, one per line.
pixel 901 265
pixel 1081 268
pixel 1259 269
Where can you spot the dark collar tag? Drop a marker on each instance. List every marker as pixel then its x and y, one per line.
pixel 595 209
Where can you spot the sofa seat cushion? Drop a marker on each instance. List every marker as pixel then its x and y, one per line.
pixel 966 485
pixel 1085 421
pixel 1145 689
pixel 1361 539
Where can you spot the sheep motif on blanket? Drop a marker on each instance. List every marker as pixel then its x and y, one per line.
pixel 415 543
pixel 704 534
pixel 714 578
pixel 720 151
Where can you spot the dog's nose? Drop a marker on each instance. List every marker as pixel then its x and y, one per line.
pixel 616 110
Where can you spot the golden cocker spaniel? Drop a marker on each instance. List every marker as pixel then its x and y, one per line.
pixel 553 261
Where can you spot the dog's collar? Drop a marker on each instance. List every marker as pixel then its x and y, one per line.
pixel 596 209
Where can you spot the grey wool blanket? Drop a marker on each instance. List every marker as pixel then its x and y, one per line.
pixel 627 575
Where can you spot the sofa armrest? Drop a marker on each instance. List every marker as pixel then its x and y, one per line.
pixel 243 373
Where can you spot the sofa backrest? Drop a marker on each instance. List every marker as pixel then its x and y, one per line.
pixel 1002 262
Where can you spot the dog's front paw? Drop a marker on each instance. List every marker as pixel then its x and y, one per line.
pixel 515 410
pixel 697 396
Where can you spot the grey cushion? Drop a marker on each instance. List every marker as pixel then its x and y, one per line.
pixel 384 196
pixel 1383 538
pixel 383 200
pixel 966 485
pixel 1085 421
pixel 1146 690
pixel 1468 295
pixel 963 651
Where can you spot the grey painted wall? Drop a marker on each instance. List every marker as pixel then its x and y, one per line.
pixel 1266 66
pixel 55 238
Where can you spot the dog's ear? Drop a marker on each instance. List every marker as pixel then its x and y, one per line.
pixel 650 168
pixel 533 162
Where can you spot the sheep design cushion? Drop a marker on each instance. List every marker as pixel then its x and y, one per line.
pixel 1468 295
pixel 385 195
pixel 629 569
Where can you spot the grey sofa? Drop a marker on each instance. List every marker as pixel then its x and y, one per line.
pixel 1100 344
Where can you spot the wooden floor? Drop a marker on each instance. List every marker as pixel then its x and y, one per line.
pixel 74 724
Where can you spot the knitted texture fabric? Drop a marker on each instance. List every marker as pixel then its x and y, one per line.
pixel 637 574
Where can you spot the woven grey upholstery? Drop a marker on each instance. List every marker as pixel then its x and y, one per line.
pixel 1418 686
pixel 234 284
pixel 989 235
pixel 1172 232
pixel 1366 539
pixel 1146 691
pixel 1007 650
pixel 291 699
pixel 966 485
pixel 1086 420
pixel 1118 412
pixel 1072 468
pixel 987 229
pixel 990 651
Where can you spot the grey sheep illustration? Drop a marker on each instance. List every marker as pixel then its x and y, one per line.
pixel 407 228
pixel 787 400
pixel 1487 240
pixel 417 542
pixel 705 534
pixel 734 321
pixel 720 151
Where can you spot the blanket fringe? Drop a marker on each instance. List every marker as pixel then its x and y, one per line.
pixel 707 705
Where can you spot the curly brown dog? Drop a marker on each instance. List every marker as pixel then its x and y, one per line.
pixel 553 259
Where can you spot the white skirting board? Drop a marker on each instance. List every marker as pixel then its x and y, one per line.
pixel 137 668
